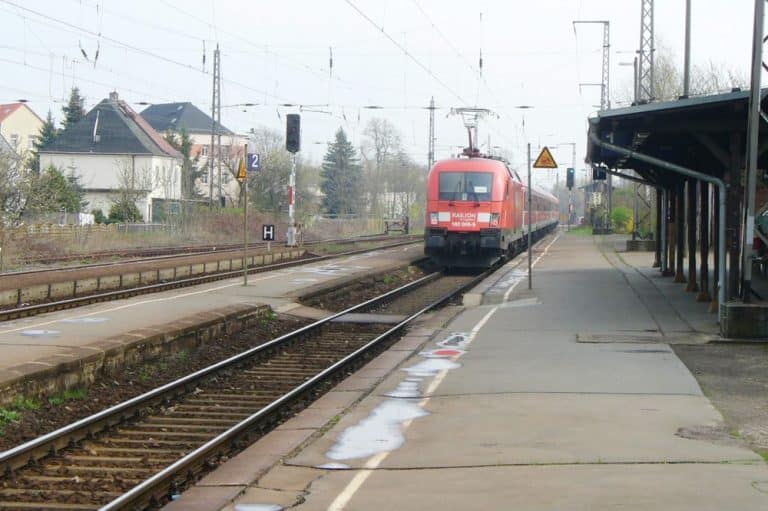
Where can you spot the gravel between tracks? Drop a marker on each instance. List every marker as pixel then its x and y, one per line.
pixel 136 380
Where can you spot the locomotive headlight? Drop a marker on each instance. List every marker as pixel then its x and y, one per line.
pixel 433 218
pixel 494 222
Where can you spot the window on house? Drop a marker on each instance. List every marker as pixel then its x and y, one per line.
pixel 31 142
pixel 14 140
pixel 204 151
pixel 204 177
pixel 226 178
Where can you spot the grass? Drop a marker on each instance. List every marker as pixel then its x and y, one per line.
pixel 149 371
pixel 583 230
pixel 268 317
pixel 388 279
pixel 763 453
pixel 67 395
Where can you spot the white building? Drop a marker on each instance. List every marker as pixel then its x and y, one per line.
pixel 112 149
pixel 178 117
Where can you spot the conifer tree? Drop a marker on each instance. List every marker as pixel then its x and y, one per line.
pixel 74 110
pixel 46 136
pixel 341 177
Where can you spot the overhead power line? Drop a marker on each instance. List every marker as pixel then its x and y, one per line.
pixel 131 47
pixel 406 52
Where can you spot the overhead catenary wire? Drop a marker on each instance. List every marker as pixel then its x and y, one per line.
pixel 189 67
pixel 406 52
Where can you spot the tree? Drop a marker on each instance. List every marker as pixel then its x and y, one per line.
pixel 668 77
pixel 132 184
pixel 51 191
pixel 74 110
pixel 11 188
pixel 189 172
pixel 46 136
pixel 341 177
pixel 379 150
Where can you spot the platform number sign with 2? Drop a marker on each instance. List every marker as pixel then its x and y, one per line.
pixel 268 232
pixel 254 163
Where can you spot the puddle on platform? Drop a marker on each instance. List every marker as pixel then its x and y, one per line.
pixel 40 333
pixel 523 302
pixel 85 321
pixel 510 279
pixel 381 431
pixel 407 389
pixel 431 366
pixel 334 466
pixel 455 339
pixel 258 507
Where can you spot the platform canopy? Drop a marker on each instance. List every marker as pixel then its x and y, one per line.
pixel 703 133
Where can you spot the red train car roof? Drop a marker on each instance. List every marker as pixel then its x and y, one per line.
pixel 483 164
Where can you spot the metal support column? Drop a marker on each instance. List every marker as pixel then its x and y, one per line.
pixel 680 233
pixel 665 233
pixel 671 230
pixel 753 127
pixel 693 285
pixel 704 295
pixel 714 305
pixel 657 230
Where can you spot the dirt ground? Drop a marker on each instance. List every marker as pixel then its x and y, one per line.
pixel 735 377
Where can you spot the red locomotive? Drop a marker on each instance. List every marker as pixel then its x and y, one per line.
pixel 477 212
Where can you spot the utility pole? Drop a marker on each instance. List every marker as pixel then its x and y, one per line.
pixel 431 153
pixel 530 242
pixel 215 101
pixel 218 116
pixel 753 128
pixel 605 92
pixel 647 49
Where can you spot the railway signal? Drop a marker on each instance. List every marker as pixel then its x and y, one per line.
pixel 569 177
pixel 293 133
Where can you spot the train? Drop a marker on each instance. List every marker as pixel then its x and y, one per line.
pixel 477 212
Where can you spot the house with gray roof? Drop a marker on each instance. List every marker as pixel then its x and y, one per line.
pixel 113 149
pixel 184 116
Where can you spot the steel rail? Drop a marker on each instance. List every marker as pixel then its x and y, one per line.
pixel 29 310
pixel 18 456
pixel 146 491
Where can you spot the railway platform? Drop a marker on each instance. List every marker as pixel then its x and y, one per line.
pixel 39 352
pixel 566 396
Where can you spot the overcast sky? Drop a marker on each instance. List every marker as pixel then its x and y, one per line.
pixel 276 52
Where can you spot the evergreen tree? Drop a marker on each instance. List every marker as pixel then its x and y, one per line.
pixel 46 136
pixel 341 177
pixel 189 173
pixel 51 192
pixel 74 110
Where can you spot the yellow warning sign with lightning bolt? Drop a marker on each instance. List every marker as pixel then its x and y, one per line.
pixel 545 160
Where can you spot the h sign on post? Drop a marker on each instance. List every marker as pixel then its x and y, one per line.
pixel 254 164
pixel 268 232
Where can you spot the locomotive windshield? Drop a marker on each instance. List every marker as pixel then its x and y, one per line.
pixel 466 186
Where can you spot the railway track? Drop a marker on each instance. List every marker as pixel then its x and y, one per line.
pixel 50 306
pixel 167 253
pixel 136 454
